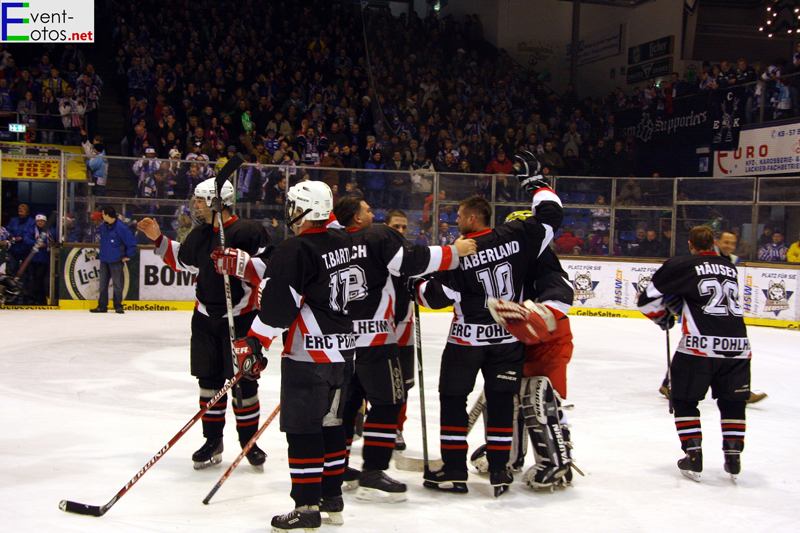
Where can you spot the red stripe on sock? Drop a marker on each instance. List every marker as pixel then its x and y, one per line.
pixel 307 480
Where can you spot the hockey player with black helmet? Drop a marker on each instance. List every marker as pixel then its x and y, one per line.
pixel 211 360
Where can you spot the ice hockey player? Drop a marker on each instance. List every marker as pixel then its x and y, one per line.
pixel 541 322
pixel 304 297
pixel 404 325
pixel 379 253
pixel 211 361
pixel 476 342
pixel 714 350
pixel 725 246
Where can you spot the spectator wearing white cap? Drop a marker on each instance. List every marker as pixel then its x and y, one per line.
pixel 40 264
pixel 145 167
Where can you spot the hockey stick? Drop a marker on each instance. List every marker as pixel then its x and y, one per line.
pixel 246 449
pixel 94 510
pixel 226 172
pixel 51 221
pixel 669 373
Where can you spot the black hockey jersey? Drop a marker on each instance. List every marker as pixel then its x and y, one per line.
pixel 380 252
pixel 548 283
pixel 404 312
pixel 305 293
pixel 712 315
pixel 498 270
pixel 194 255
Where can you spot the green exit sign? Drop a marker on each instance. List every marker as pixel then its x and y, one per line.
pixel 17 128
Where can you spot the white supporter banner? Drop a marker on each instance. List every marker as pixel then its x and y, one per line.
pixel 762 151
pixel 769 293
pixel 766 293
pixel 158 282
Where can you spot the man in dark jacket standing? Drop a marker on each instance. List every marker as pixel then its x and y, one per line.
pixel 117 246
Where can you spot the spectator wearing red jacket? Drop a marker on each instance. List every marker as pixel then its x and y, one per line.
pixel 500 164
pixel 567 242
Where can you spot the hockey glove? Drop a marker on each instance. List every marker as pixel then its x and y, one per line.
pixel 528 171
pixel 249 354
pixel 674 304
pixel 665 321
pixel 234 262
pixel 532 323
pixel 412 284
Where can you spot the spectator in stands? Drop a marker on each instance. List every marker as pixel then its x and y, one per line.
pixel 632 248
pixel 399 182
pixel 793 255
pixel 500 164
pixel 49 119
pixel 98 168
pixel 567 241
pixel 572 140
pixel 375 181
pixel 551 158
pixel 332 160
pixel 600 216
pixel 743 247
pixel 445 237
pixel 449 165
pixel 776 251
pixel 651 246
pixel 630 193
pixel 765 237
pixel 72 110
pixel 600 245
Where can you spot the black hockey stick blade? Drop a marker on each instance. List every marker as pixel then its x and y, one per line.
pixel 82 508
pixel 227 171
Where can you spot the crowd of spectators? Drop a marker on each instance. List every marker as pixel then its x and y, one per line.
pixel 55 97
pixel 309 89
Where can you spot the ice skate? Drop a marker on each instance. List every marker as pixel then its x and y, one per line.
pixel 332 506
pixel 733 465
pixel 209 454
pixel 256 457
pixel 305 518
pixel 692 465
pixel 545 475
pixel 350 478
pixel 501 480
pixel 376 486
pixel 399 442
pixel 447 480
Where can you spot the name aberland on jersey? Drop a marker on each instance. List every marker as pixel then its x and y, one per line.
pixel 505 254
pixel 713 323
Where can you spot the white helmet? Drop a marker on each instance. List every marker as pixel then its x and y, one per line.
pixel 207 190
pixel 313 198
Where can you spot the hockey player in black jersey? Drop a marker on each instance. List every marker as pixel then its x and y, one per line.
pixel 304 297
pixel 379 253
pixel 404 324
pixel 714 350
pixel 211 361
pixel 476 342
pixel 541 322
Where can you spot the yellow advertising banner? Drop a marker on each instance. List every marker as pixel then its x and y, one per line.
pixel 40 161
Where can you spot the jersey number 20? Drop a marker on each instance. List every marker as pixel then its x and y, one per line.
pixel 724 297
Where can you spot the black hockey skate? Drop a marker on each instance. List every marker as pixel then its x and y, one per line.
pixel 692 465
pixel 399 442
pixel 501 480
pixel 733 465
pixel 305 518
pixel 376 486
pixel 446 480
pixel 333 507
pixel 256 457
pixel 350 478
pixel 209 454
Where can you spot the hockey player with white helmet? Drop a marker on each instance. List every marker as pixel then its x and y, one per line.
pixel 211 360
pixel 304 296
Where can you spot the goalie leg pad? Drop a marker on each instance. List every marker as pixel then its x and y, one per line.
pixel 540 407
pixel 531 323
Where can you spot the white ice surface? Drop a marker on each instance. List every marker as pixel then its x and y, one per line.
pixel 89 399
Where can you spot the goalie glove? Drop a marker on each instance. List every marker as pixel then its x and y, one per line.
pixel 249 354
pixel 532 323
pixel 235 262
pixel 529 172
